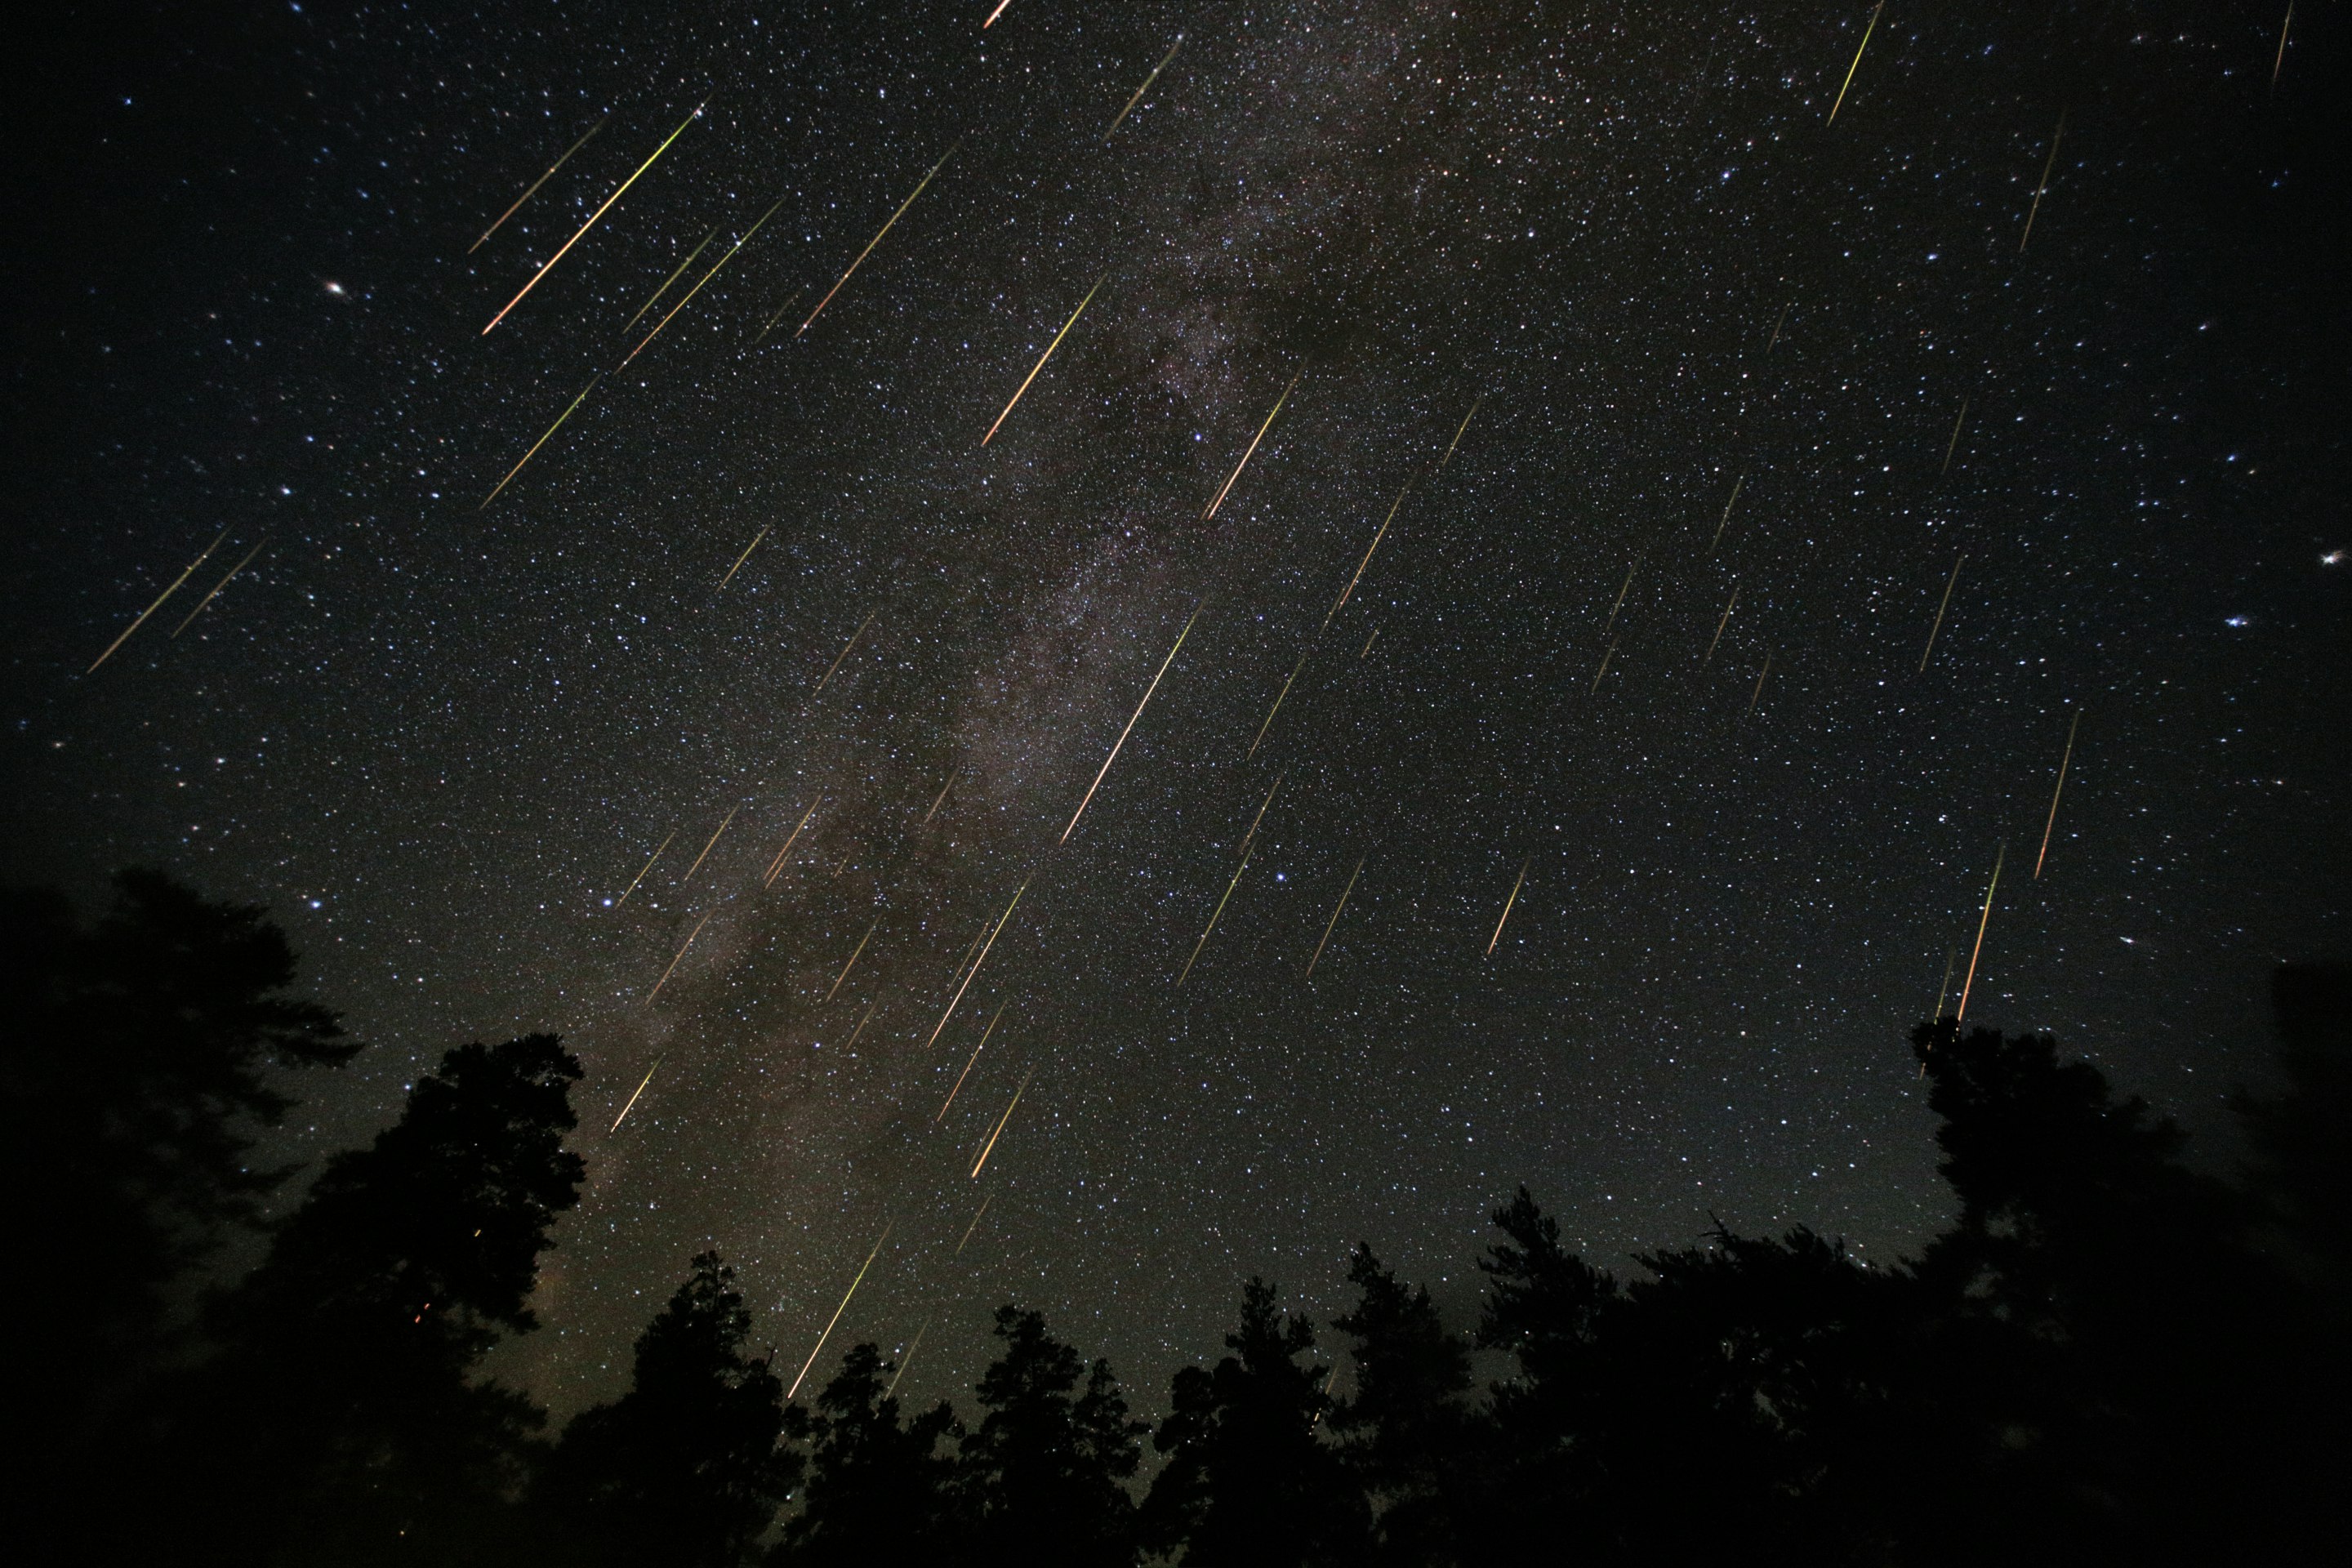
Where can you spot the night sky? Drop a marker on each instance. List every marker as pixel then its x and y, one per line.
pixel 438 740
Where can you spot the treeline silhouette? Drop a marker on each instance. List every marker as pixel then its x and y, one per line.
pixel 2109 1356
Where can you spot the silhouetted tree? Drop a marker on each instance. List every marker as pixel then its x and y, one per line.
pixel 687 1466
pixel 1247 1479
pixel 879 1491
pixel 1407 1432
pixel 1040 1477
pixel 2302 1167
pixel 344 1422
pixel 134 1074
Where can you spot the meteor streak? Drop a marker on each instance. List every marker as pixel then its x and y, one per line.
pixel 698 859
pixel 1720 624
pixel 2053 823
pixel 1758 692
pixel 1333 923
pixel 600 125
pixel 1368 643
pixel 793 300
pixel 1940 608
pixel 673 963
pixel 1214 918
pixel 845 653
pixel 1044 357
pixel 1367 561
pixel 1130 726
pixel 1278 696
pixel 1179 44
pixel 648 866
pixel 991 1145
pixel 158 605
pixel 1628 588
pixel 2276 65
pixel 542 441
pixel 742 558
pixel 599 213
pixel 938 798
pixel 1778 323
pixel 1251 837
pixel 2041 190
pixel 1857 62
pixel 1725 521
pixel 1458 432
pixel 1516 886
pixel 870 1009
pixel 633 1099
pixel 967 1065
pixel 1982 921
pixel 1605 656
pixel 1954 444
pixel 975 1222
pixel 1262 429
pixel 870 244
pixel 778 863
pixel 673 278
pixel 853 956
pixel 706 278
pixel 993 16
pixel 853 1284
pixel 976 962
pixel 912 1346
pixel 1944 987
pixel 207 599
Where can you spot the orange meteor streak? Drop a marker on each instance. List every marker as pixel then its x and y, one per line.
pixel 1044 357
pixel 1130 726
pixel 673 963
pixel 648 866
pixel 550 175
pixel 993 16
pixel 542 441
pixel 778 863
pixel 1001 1121
pixel 158 605
pixel 1458 432
pixel 1262 429
pixel 633 1099
pixel 1514 898
pixel 838 1310
pixel 2048 827
pixel 976 962
pixel 599 213
pixel 2042 189
pixel 939 798
pixel 698 859
pixel 853 956
pixel 742 558
pixel 1334 922
pixel 871 1007
pixel 967 1065
pixel 870 244
pixel 1857 62
pixel 1982 921
pixel 224 583
pixel 975 1223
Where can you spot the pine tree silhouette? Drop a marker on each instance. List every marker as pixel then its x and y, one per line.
pixel 878 1491
pixel 1040 1476
pixel 687 1468
pixel 1407 1433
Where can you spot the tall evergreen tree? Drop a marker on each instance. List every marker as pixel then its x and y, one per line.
pixel 1041 1476
pixel 878 1491
pixel 687 1466
pixel 136 1073
pixel 344 1422
pixel 1248 1483
pixel 1407 1432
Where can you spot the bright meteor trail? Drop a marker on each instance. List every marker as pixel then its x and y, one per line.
pixel 600 212
pixel 706 278
pixel 673 963
pixel 838 1310
pixel 1333 923
pixel 633 1099
pixel 1179 44
pixel 656 298
pixel 1982 921
pixel 972 972
pixel 1518 883
pixel 1262 429
pixel 648 866
pixel 224 583
pixel 158 605
pixel 990 1146
pixel 1044 357
pixel 1857 62
pixel 542 441
pixel 1130 726
pixel 870 244
pixel 2049 827
pixel 1382 533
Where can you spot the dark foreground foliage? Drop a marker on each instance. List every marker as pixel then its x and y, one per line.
pixel 2109 1356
